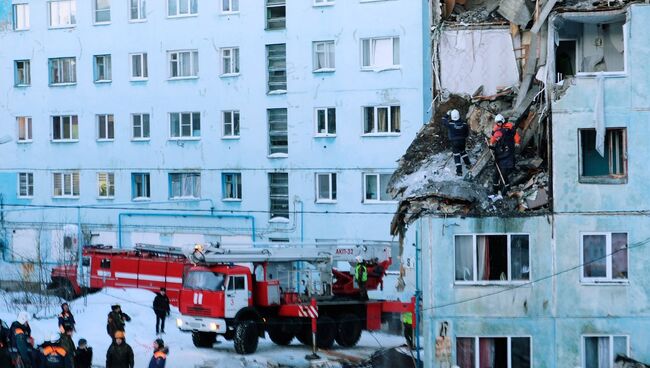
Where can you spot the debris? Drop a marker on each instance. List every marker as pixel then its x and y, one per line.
pixel 539 199
pixel 515 11
pixel 546 10
pixel 530 163
pixel 622 361
pixel 495 197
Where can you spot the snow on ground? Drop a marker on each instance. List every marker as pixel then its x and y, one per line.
pixel 91 314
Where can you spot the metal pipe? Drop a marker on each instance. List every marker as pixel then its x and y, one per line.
pixel 417 293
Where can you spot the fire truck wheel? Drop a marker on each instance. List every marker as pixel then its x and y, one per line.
pixel 326 332
pixel 304 332
pixel 281 331
pixel 246 337
pixel 348 330
pixel 204 339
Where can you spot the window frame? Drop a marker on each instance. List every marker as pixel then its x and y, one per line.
pixel 476 343
pixel 72 70
pixel 109 127
pixel 230 3
pixel 608 278
pixel 330 55
pixel 273 216
pixel 184 176
pixel 232 113
pixel 26 17
pixel 191 137
pixel 610 178
pixel 110 185
pixel 178 7
pixel 583 346
pixel 236 184
pixel 271 88
pixel 144 67
pixel 372 65
pixel 63 175
pixel 267 18
pixel 375 129
pixel 327 109
pixel 378 182
pixel 142 123
pixel 108 72
pixel 475 281
pixel 28 133
pixel 72 16
pixel 277 133
pixel 73 119
pixel 141 8
pixel 146 189
pixel 27 72
pixel 29 185
pixel 193 67
pixel 234 62
pixel 332 178
pixel 96 11
pixel 318 3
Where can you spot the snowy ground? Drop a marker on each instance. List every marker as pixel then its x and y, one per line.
pixel 91 314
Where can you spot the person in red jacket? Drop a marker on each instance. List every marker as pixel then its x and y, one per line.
pixel 503 142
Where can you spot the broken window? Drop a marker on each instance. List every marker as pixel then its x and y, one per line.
pixel 483 352
pixel 276 13
pixel 604 256
pixel 589 43
pixel 612 166
pixel 276 61
pixel 492 258
pixel 600 351
pixel 278 132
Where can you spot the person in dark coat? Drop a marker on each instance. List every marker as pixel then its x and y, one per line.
pixel 20 332
pixel 119 354
pixel 503 142
pixel 161 308
pixel 53 355
pixel 83 357
pixel 66 341
pixel 116 321
pixel 5 357
pixel 457 133
pixel 66 318
pixel 159 357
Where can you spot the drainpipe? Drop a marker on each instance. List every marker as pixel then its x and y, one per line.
pixel 418 293
pixel 302 237
pixel 171 214
pixel 80 245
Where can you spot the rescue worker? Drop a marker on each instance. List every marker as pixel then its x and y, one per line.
pixel 457 132
pixel 407 323
pixel 5 357
pixel 83 357
pixel 66 318
pixel 66 341
pixel 19 335
pixel 116 320
pixel 119 354
pixel 53 355
pixel 161 309
pixel 197 255
pixel 4 334
pixel 503 142
pixel 159 357
pixel 361 276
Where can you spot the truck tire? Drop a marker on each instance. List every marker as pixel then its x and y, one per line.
pixel 281 331
pixel 348 331
pixel 246 337
pixel 304 332
pixel 204 339
pixel 325 333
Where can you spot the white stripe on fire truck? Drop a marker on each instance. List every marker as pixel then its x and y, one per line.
pixel 104 273
pixel 135 276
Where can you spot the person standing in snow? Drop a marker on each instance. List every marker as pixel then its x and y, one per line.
pixel 119 354
pixel 159 357
pixel 83 357
pixel 66 341
pixel 53 355
pixel 503 142
pixel 116 320
pixel 161 309
pixel 20 332
pixel 66 318
pixel 457 133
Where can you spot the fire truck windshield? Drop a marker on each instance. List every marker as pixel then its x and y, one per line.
pixel 204 280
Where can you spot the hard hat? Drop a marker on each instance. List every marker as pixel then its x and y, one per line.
pixel 119 334
pixel 359 259
pixel 198 247
pixel 54 336
pixel 455 115
pixel 23 317
pixel 499 119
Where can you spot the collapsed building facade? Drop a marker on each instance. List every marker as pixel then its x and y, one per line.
pixel 551 273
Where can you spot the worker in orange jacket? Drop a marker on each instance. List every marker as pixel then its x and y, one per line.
pixel 503 142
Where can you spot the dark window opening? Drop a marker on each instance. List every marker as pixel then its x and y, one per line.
pixel 610 167
pixel 565 59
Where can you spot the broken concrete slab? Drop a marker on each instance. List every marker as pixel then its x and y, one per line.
pixel 515 11
pixel 530 163
pixel 539 199
pixel 622 361
pixel 452 190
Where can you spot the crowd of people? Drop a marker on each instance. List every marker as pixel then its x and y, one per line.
pixel 17 349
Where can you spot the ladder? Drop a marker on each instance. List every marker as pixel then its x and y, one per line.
pixel 160 249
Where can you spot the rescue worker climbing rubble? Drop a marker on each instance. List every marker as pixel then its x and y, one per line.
pixel 457 132
pixel 503 142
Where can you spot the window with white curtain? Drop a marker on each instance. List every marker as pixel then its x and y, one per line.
pixel 21 17
pixel 497 352
pixel 62 13
pixel 604 257
pixel 378 120
pixel 183 64
pixel 184 185
pixel 600 351
pixel 324 56
pixel 24 129
pixel 491 258
pixel 139 67
pixel 380 53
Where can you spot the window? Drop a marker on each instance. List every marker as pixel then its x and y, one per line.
pixel 381 119
pixel 63 70
pixel 22 73
pixel 230 6
pixel 276 13
pixel 277 68
pixel 183 64
pixel 139 69
pixel 65 128
pixel 102 11
pixel 231 124
pixel 323 2
pixel 324 56
pixel 278 135
pixel 137 10
pixel 184 185
pixel 185 124
pixel 181 8
pixel 25 185
pixel 105 127
pixel 506 352
pixel 140 124
pixel 375 188
pixel 63 13
pixel 600 351
pixel 237 283
pixel 229 61
pixel 492 258
pixel 102 68
pixel 380 53
pixel 105 185
pixel 326 121
pixel 24 129
pixel 611 168
pixel 604 257
pixel 279 195
pixel 21 17
pixel 326 187
pixel 66 184
pixel 231 186
pixel 140 186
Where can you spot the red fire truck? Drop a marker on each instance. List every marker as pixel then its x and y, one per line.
pixel 243 294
